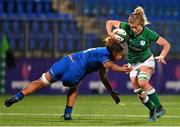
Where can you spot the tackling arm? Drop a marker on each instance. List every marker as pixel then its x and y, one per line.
pixel 111 65
pixel 105 80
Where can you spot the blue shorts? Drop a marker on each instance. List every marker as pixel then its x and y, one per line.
pixel 66 71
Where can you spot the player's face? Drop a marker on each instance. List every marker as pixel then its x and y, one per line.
pixel 136 28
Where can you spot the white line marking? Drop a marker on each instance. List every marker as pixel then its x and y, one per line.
pixel 92 126
pixel 87 115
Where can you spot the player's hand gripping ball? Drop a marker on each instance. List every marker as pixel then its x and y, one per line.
pixel 121 35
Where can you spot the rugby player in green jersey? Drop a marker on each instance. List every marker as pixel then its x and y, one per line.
pixel 141 58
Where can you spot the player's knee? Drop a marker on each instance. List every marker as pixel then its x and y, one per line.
pixel 44 80
pixel 143 79
pixel 142 83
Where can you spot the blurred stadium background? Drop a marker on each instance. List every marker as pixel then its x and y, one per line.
pixel 34 33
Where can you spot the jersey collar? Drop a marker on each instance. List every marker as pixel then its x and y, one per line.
pixel 140 32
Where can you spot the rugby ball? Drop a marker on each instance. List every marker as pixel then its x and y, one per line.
pixel 121 35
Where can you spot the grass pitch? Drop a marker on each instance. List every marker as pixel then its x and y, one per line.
pixel 88 111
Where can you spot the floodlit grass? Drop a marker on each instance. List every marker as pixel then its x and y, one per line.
pixel 88 111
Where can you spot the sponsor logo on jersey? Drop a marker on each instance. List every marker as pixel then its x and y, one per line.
pixel 135 48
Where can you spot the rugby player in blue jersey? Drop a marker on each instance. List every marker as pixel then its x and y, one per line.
pixel 73 68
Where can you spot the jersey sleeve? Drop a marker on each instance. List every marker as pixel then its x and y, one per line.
pixel 124 25
pixel 104 58
pixel 152 36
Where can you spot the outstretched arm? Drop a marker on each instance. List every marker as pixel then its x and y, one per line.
pixel 105 80
pixel 166 47
pixel 111 65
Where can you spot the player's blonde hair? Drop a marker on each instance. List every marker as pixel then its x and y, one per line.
pixel 138 15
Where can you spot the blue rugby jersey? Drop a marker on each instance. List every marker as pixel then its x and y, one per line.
pixel 92 59
pixel 71 71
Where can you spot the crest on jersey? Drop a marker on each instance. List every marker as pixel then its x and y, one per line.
pixel 142 42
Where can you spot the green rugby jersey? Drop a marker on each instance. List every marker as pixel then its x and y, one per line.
pixel 139 45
